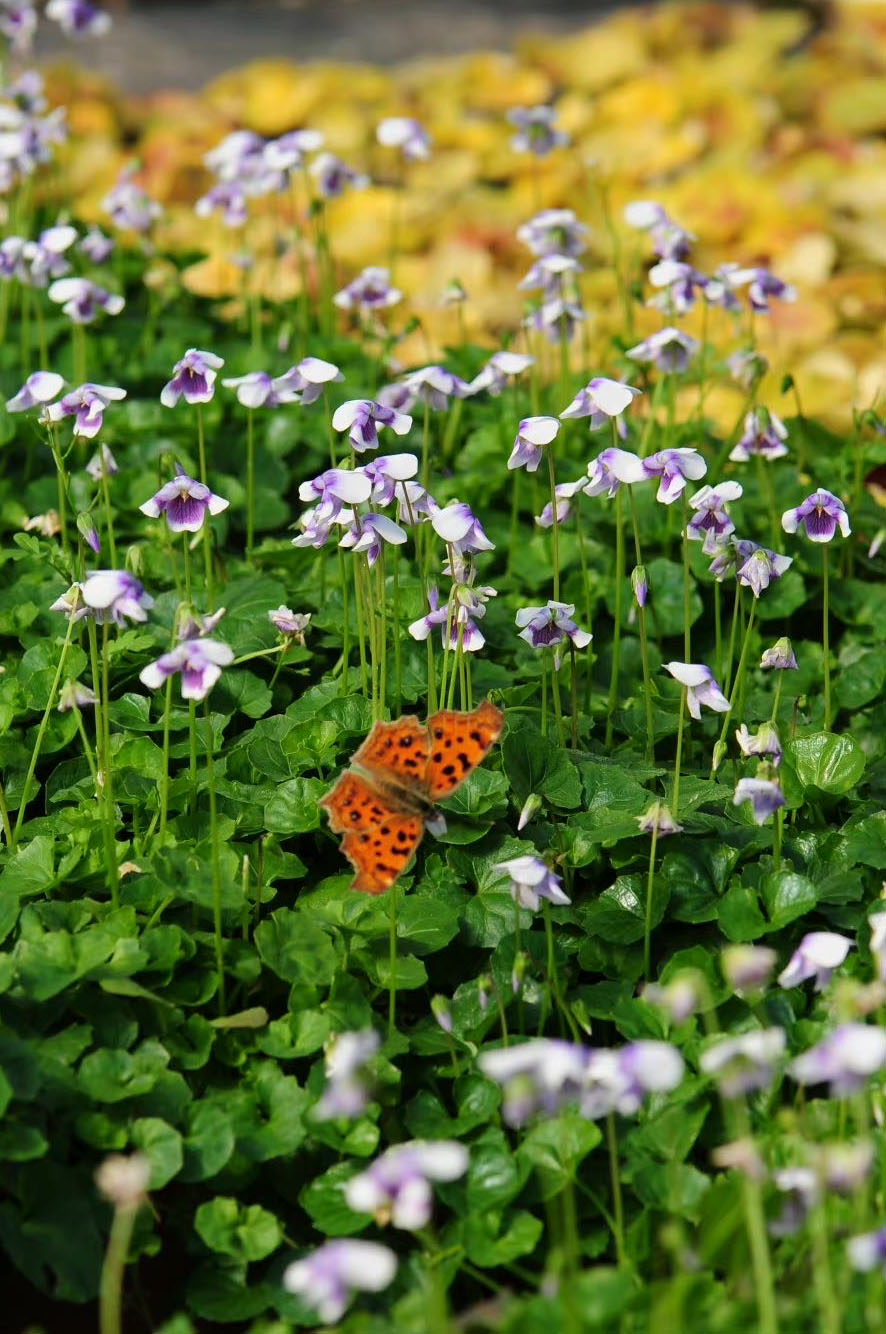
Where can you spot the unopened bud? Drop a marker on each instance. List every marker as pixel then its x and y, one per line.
pixel 518 972
pixel 88 531
pixel 484 987
pixel 531 807
pixel 133 561
pixel 720 749
pixel 640 584
pixel 124 1180
pixel 442 1013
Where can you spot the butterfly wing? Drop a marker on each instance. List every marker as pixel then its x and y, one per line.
pixel 397 752
pixel 459 742
pixel 378 838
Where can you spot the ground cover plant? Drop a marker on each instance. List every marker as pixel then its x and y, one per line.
pixel 607 1052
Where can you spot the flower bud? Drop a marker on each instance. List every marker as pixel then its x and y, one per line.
pixel 442 1013
pixel 518 972
pixel 484 988
pixel 133 561
pixel 720 749
pixel 124 1180
pixel 531 807
pixel 640 584
pixel 88 531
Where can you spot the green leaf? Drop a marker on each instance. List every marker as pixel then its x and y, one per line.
pixel 604 1294
pixel 861 677
pixel 324 1201
pixel 825 762
pixel 496 1174
pixel 554 1148
pixel 162 1146
pixel 494 1238
pixel 666 597
pixel 426 923
pixel 739 915
pixel 208 1143
pixel 244 1232
pixel 293 809
pixel 619 914
pixel 787 895
pixel 533 763
pixel 295 948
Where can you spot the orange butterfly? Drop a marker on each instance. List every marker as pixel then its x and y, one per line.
pixel 383 805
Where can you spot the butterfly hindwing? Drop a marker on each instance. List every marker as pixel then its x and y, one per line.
pixel 380 855
pixel 459 742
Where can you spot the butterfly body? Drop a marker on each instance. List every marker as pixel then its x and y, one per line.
pixel 384 802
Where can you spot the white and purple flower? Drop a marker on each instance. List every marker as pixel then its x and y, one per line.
pixel 115 596
pixel 614 468
pixel 548 626
pixel 38 390
pixel 367 533
pixel 185 503
pixel 764 794
pixel 347 1084
pixel 334 489
pixel 370 290
pixel 193 378
pixel 674 467
pixel 387 472
pixel 531 880
pixel 405 134
pixel 78 18
pixel 82 300
pixel 846 1059
pixel 536 130
pixel 501 369
pixel 621 1079
pixel 396 1188
pixel 200 662
pixel 554 231
pixel 780 657
pixel 764 434
pixel 710 522
pixel 260 390
pixel 820 515
pixel 533 434
pixel 86 405
pixel 328 1277
pixel 670 350
pixel 333 177
pixel 458 526
pixel 757 567
pixel 700 685
pixel 745 1063
pixel 817 955
pixel 601 400
pixel 362 418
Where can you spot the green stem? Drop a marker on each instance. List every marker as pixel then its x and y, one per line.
pixel 216 866
pixel 392 962
pixel 739 674
pixel 250 483
pixel 164 786
pixel 555 523
pixel 733 631
pixel 687 634
pixel 675 792
pixel 826 635
pixel 113 1269
pixel 87 749
pixel 205 531
pixel 110 844
pixel 109 513
pixel 650 881
pixel 615 1181
pixel 346 624
pixel 616 633
pixel 644 641
pixel 41 731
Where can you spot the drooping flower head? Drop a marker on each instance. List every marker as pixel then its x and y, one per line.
pixel 780 657
pixel 764 794
pixel 327 1278
pixel 367 533
pixel 362 418
pixel 458 526
pixel 701 688
pixel 347 1083
pixel 387 472
pixel 565 493
pixel 536 131
pixel 613 468
pixel 78 18
pixel 86 405
pixel 38 390
pixel 185 503
pixel 670 350
pixel 534 433
pixel 193 378
pixel 500 370
pixel 200 662
pixel 292 625
pixel 600 401
pixel 555 231
pixel 820 515
pixel 82 300
pixel 817 955
pixel 260 390
pixel 334 489
pixel 674 467
pixel 846 1059
pixel 115 596
pixel 530 880
pixel 765 741
pixel 745 1063
pixel 658 819
pixel 396 1188
pixel 757 567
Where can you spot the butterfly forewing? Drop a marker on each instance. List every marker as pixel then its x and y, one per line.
pixel 396 754
pixel 459 742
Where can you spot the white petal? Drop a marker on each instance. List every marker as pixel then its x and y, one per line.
pixel 692 674
pixel 539 430
pixel 400 466
pixel 345 414
pixel 45 385
pixel 453 523
pixel 388 530
pixel 318 371
pixel 368 1265
pixel 354 487
pixel 217 652
pixel 151 676
pixel 611 396
pixel 217 504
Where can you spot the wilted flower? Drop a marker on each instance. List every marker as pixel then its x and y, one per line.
pixel 75 695
pixel 820 514
pixel 658 819
pixel 674 467
pixel 536 132
pixel 200 662
pixel 802 1190
pixel 679 997
pixel 81 300
pixel 347 1092
pixel 78 18
pixel 370 290
pixel 845 1059
pixel 71 603
pixel 764 794
pixel 227 198
pixel 47 525
pixel 129 206
pixel 368 532
pixel 86 405
pixel 620 1080
pixel 327 1278
pixel 102 464
pixel 765 741
pixel 534 433
pixel 747 968
pixel 744 1063
pixel 39 389
pixel 555 231
pixel 260 390
pixel 458 526
pixel 396 1188
pixel 601 400
pixel 193 378
pixel 544 627
pixel 409 136
pixel 333 177
pixel 701 688
pixel 867 1251
pixel 817 955
pixel 115 596
pixel 530 881
pixel 669 350
pixel 710 522
pixel 779 657
pixel 362 418
pixel 747 368
pixel 742 1156
pixel 185 504
pixel 764 434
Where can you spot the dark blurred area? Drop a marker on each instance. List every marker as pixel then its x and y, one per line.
pixel 183 44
